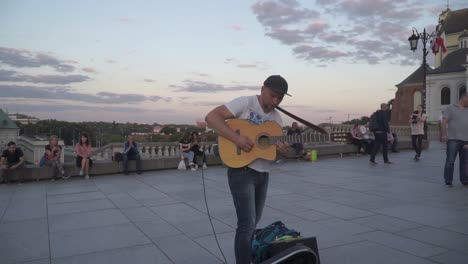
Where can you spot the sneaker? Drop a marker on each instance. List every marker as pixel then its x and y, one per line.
pixel 191 164
pixel 388 162
pixel 139 172
pixel 278 161
pixel 193 168
pixel 66 174
pixel 87 177
pixel 196 166
pixel 449 185
pixel 81 172
pixel 372 162
pixel 52 180
pixel 204 166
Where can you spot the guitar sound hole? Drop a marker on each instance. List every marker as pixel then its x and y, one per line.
pixel 264 141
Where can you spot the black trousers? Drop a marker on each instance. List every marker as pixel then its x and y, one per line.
pixel 380 139
pixel 416 140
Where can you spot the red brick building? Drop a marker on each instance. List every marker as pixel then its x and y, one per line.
pixel 408 97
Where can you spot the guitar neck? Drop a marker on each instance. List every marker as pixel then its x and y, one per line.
pixel 305 138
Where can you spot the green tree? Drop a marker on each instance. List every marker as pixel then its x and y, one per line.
pixel 168 130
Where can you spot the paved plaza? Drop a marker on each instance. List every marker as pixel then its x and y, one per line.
pixel 400 213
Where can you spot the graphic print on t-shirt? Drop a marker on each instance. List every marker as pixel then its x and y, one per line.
pixel 257 119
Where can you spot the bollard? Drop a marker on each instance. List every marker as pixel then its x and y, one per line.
pixel 313 155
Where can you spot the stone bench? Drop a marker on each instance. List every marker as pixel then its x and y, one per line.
pixel 33 172
pixel 347 148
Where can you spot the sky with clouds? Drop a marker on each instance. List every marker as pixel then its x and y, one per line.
pixel 173 61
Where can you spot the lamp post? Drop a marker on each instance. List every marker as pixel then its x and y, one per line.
pixel 413 40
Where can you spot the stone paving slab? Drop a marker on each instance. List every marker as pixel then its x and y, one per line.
pixel 145 254
pixel 359 213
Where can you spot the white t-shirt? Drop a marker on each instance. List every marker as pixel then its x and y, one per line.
pixel 248 107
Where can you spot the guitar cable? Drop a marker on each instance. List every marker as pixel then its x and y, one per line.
pixel 208 211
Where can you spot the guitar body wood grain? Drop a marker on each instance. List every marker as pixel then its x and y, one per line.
pixel 264 148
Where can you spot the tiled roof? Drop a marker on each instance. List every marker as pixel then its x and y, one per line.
pixel 456 21
pixel 416 77
pixel 453 62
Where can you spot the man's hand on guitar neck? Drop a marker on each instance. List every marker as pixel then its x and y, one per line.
pixel 244 143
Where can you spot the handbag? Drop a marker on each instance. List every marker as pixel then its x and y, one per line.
pixel 181 165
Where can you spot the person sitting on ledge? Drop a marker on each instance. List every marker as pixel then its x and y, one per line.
pixel 14 158
pixel 131 152
pixel 185 150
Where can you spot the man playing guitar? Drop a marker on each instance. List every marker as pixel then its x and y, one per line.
pixel 249 184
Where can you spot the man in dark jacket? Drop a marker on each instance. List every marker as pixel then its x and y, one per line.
pixel 131 152
pixel 381 132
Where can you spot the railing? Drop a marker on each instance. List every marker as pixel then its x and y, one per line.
pixel 403 132
pixel 149 150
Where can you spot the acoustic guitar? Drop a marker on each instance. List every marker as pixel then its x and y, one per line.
pixel 264 137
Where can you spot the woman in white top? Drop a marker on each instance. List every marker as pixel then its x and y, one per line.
pixel 416 121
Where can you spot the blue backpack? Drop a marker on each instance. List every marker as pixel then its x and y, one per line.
pixel 263 237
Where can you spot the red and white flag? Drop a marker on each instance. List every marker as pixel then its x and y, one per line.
pixel 439 42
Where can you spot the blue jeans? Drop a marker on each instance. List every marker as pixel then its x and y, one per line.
pixel 136 158
pixel 248 189
pixel 189 156
pixel 453 147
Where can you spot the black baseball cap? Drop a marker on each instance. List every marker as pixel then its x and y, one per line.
pixel 277 83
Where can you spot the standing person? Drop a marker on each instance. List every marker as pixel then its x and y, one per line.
pixel 185 145
pixel 83 152
pixel 131 152
pixel 196 150
pixel 295 130
pixel 14 158
pixel 416 121
pixel 381 132
pixel 249 184
pixel 53 152
pixel 455 133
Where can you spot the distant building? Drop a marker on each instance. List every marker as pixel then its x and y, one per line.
pixel 446 82
pixel 9 131
pixel 157 129
pixel 23 121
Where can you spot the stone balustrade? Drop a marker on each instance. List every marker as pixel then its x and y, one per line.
pixel 149 150
pixel 403 132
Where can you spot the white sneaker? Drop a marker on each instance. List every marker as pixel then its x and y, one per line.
pixel 193 168
pixel 81 172
pixel 196 166
pixel 87 177
pixel 204 166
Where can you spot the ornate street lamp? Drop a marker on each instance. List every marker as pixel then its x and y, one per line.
pixel 413 40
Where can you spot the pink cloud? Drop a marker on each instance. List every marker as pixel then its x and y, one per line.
pixel 89 69
pixel 247 66
pixel 236 28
